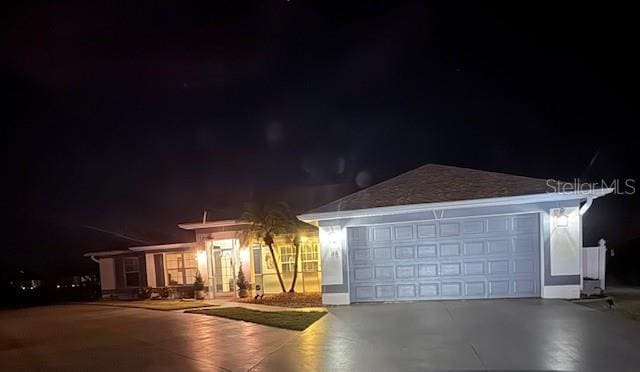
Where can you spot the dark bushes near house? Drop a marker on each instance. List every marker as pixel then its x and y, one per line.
pixel 243 284
pixel 144 293
pixel 198 287
pixel 164 292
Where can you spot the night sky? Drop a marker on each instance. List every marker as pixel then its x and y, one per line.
pixel 123 120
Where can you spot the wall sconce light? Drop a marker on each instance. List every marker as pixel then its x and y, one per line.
pixel 244 255
pixel 201 256
pixel 561 218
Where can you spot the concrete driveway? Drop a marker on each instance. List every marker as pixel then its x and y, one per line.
pixel 101 338
pixel 451 335
pixel 526 334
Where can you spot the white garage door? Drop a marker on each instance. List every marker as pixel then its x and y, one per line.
pixel 488 257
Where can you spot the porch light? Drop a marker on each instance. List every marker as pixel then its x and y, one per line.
pixel 244 255
pixel 201 256
pixel 561 218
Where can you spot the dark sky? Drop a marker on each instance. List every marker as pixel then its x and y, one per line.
pixel 131 118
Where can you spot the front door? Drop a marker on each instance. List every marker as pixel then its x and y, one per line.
pixel 224 271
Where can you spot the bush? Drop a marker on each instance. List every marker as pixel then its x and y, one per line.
pixel 198 284
pixel 144 293
pixel 241 281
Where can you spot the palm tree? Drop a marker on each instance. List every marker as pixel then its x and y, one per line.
pixel 295 228
pixel 265 222
pixel 296 243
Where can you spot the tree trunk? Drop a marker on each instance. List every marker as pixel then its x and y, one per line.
pixel 295 269
pixel 275 263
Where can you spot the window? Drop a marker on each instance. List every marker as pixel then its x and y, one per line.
pixel 287 258
pixel 309 257
pixel 181 268
pixel 131 272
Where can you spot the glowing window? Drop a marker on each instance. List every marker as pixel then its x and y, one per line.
pixel 181 268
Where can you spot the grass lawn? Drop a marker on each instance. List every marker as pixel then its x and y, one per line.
pixel 166 305
pixel 287 300
pixel 627 303
pixel 296 320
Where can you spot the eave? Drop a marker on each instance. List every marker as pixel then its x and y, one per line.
pixel 410 208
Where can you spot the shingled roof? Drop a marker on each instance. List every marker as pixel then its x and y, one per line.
pixel 434 183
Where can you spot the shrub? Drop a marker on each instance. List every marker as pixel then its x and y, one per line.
pixel 198 284
pixel 144 293
pixel 241 281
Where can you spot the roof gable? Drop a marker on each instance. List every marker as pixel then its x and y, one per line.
pixel 434 183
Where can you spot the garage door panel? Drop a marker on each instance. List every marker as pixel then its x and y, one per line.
pixel 449 249
pixel 360 255
pixel 362 274
pixel 525 245
pixel 524 286
pixel 358 236
pixel 364 293
pixel 405 272
pixel 405 252
pixel 427 270
pixel 475 289
pixel 404 232
pixel 427 250
pixel 382 253
pixel 449 229
pixel 381 234
pixel 491 257
pixel 451 289
pixel 499 288
pixel 406 290
pixel 429 290
pixel 383 273
pixel 528 223
pixel 474 248
pixel 426 230
pixel 502 246
pixel 385 292
pixel 473 227
pixel 498 224
pixel 523 266
pixel 498 267
pixel 450 269
pixel 474 268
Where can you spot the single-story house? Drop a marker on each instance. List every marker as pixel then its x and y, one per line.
pixel 436 232
pixel 217 254
pixel 442 232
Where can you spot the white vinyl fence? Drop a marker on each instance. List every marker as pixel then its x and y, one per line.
pixel 594 262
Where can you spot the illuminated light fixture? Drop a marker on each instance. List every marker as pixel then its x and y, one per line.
pixel 201 256
pixel 244 255
pixel 303 239
pixel 561 218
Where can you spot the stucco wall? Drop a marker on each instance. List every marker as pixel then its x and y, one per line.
pixel 107 274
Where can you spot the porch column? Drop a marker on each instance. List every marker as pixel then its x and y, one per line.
pixel 210 270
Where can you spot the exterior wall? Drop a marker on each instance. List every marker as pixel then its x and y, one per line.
pixel 334 248
pixel 307 282
pixel 265 276
pixel 107 274
pixel 116 286
pixel 151 270
pixel 174 291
